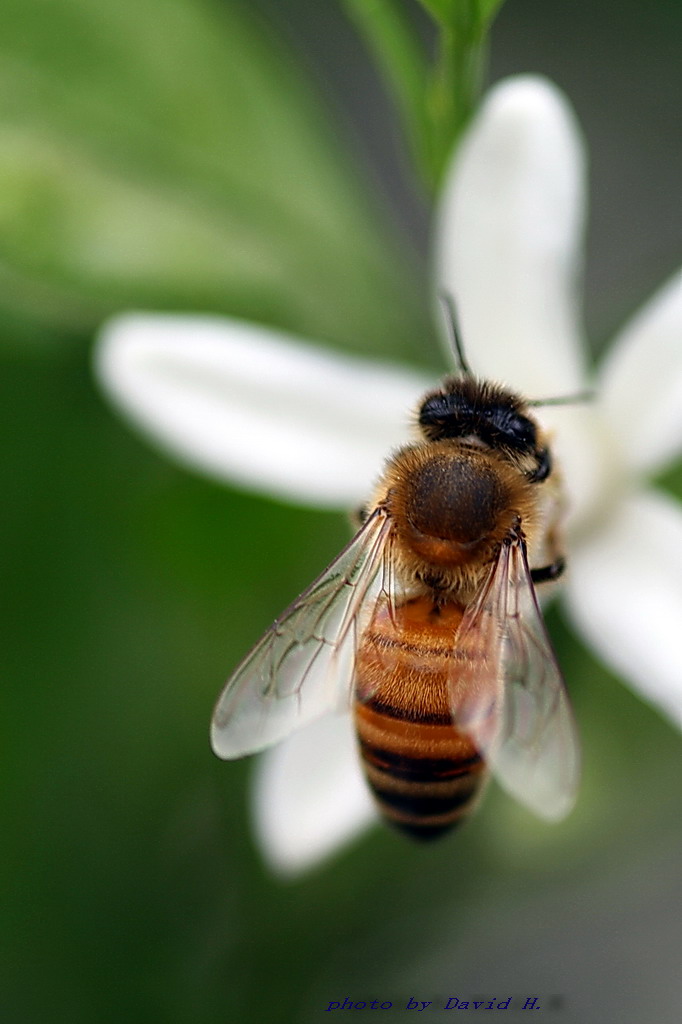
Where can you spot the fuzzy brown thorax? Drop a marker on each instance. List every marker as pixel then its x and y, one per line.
pixel 453 504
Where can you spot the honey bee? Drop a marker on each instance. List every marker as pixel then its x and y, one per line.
pixel 427 625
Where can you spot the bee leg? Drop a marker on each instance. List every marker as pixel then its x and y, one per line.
pixel 543 467
pixel 359 516
pixel 549 572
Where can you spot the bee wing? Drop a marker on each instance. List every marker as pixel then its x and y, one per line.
pixel 303 666
pixel 510 697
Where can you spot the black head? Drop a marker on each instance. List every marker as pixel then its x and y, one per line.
pixel 467 408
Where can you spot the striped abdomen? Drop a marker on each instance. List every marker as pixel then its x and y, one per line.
pixel 424 773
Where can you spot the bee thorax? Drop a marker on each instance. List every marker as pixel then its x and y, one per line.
pixel 455 499
pixel 453 505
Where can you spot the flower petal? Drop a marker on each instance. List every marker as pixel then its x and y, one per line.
pixel 310 796
pixel 625 596
pixel 641 384
pixel 256 407
pixel 510 228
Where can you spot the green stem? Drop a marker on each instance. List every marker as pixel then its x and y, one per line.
pixel 455 86
pixel 434 101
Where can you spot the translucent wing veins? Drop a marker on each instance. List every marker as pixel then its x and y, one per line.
pixel 303 666
pixel 514 705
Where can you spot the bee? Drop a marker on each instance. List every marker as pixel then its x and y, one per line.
pixel 427 626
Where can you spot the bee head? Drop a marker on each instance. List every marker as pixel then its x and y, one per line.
pixel 484 414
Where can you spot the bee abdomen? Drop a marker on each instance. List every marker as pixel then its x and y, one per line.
pixel 425 776
pixel 424 773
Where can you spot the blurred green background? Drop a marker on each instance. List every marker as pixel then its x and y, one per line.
pixel 148 151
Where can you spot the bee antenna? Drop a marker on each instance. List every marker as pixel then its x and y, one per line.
pixel 579 396
pixel 453 332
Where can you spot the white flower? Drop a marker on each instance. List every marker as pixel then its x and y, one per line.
pixel 250 406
